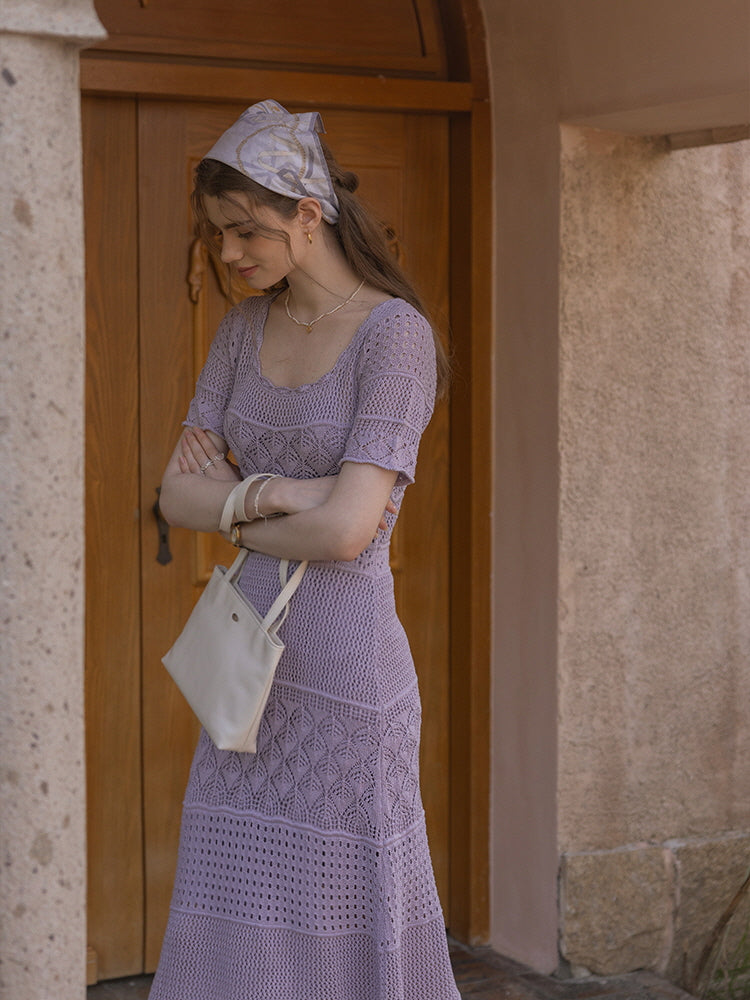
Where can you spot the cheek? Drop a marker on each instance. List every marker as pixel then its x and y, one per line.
pixel 282 254
pixel 263 247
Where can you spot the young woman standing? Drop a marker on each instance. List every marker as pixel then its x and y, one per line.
pixel 304 871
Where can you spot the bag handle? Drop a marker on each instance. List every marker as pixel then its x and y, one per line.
pixel 280 607
pixel 234 507
pixel 235 569
pixel 234 510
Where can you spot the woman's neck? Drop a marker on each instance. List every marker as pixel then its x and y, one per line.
pixel 321 281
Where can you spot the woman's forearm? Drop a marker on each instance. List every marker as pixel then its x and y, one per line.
pixel 309 534
pixel 337 526
pixel 196 502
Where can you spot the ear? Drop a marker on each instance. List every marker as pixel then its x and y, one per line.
pixel 309 214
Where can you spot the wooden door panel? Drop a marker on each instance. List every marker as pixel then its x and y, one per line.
pixel 113 619
pixel 425 606
pixel 166 380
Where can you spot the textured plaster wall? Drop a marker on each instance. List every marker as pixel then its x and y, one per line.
pixel 654 605
pixel 42 805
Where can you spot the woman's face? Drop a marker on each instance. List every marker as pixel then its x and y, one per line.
pixel 261 260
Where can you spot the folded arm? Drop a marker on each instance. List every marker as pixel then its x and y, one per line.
pixel 189 499
pixel 333 517
pixel 340 527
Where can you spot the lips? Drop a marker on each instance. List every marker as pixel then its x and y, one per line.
pixel 247 272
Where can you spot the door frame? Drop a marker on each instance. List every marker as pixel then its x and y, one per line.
pixel 471 395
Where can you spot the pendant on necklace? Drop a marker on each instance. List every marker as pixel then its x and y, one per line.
pixel 308 326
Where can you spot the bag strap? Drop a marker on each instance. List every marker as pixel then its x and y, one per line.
pixel 234 508
pixel 280 607
pixel 235 569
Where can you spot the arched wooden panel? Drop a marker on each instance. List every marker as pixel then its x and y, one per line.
pixel 400 36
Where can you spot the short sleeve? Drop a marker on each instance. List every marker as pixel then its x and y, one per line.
pixel 396 392
pixel 216 380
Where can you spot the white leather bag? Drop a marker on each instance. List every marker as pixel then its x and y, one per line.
pixel 225 658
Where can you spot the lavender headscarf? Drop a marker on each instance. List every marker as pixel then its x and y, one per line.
pixel 282 152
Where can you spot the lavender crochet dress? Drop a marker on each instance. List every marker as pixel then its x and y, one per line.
pixel 304 871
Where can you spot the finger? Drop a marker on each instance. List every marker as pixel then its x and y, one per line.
pixel 208 446
pixel 196 452
pixel 195 446
pixel 187 453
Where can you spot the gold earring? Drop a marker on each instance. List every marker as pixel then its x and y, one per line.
pixel 309 237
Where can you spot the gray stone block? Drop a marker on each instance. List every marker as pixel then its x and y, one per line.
pixel 616 909
pixel 709 873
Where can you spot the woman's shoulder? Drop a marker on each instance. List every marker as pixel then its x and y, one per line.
pixel 397 318
pixel 394 318
pixel 254 308
pixel 397 337
pixel 242 321
pixel 392 306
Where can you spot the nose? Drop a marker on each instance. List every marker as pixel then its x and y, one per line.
pixel 231 248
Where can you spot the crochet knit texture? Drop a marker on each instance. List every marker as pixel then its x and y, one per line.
pixel 304 871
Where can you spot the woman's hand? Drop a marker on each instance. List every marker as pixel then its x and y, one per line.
pixel 200 456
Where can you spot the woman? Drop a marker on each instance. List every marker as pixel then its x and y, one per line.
pixel 304 870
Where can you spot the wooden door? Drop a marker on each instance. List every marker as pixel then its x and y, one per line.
pixel 151 360
pixel 113 562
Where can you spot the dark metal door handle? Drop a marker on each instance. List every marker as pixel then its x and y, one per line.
pixel 163 556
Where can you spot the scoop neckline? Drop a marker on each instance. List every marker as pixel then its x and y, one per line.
pixel 258 344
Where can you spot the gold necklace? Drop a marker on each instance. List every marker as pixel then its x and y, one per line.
pixel 308 326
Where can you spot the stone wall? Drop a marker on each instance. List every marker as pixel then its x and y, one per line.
pixel 654 606
pixel 42 805
pixel 650 906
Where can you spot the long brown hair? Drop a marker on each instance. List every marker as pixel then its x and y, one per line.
pixel 365 241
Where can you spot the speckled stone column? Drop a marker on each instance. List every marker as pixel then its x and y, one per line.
pixel 42 794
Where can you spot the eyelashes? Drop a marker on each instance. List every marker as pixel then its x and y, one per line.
pixel 218 235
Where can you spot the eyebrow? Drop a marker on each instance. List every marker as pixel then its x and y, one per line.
pixel 234 225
